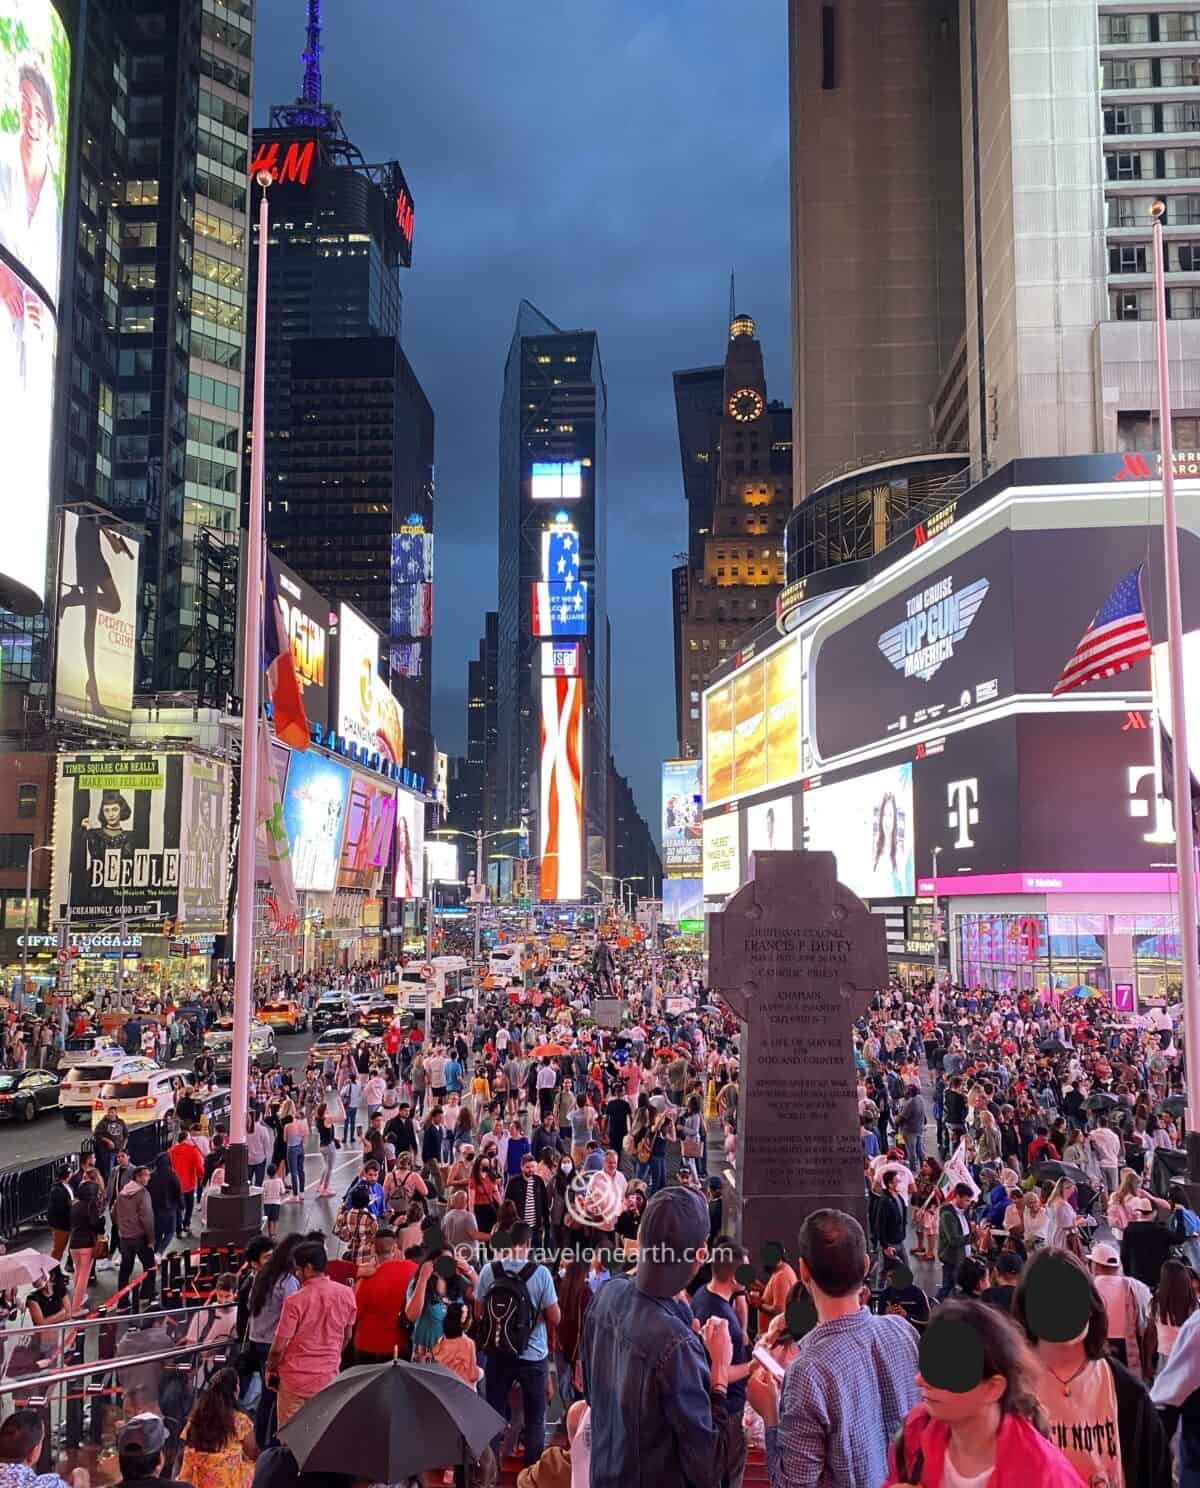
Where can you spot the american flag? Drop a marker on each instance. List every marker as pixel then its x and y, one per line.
pixel 412 558
pixel 560 560
pixel 1116 638
pixel 412 610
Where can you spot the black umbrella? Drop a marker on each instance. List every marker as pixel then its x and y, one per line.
pixel 1055 1169
pixel 1101 1101
pixel 387 1422
pixel 1174 1105
pixel 1052 1046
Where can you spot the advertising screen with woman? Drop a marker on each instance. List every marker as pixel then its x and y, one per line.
pixel 868 824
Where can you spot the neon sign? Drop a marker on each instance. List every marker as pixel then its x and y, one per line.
pixel 404 214
pixel 296 165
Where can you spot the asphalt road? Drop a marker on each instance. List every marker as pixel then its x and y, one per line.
pixel 49 1135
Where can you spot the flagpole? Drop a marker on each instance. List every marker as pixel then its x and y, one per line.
pixel 236 1168
pixel 1185 863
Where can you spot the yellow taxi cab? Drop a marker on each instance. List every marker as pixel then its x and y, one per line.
pixel 283 1016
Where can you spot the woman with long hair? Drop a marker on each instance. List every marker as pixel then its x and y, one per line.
pixel 1173 1303
pixel 991 1433
pixel 574 1295
pixel 1099 1413
pixel 1061 1215
pixel 272 1287
pixel 887 841
pixel 87 1227
pixel 484 1192
pixel 327 1137
pixel 218 1441
pixel 926 1201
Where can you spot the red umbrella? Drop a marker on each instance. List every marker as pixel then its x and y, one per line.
pixel 547 1051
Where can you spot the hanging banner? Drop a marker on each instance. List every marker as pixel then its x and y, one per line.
pixel 204 832
pixel 97 634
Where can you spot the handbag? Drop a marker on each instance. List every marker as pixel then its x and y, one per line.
pixel 691 1147
pixel 100 1249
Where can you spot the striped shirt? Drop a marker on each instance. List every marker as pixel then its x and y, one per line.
pixel 844 1397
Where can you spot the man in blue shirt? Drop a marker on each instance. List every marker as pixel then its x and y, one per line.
pixel 529 1368
pixel 453 1075
pixel 716 1301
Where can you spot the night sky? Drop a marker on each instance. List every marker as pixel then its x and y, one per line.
pixel 609 160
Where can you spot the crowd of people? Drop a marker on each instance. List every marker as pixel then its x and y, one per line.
pixel 543 1207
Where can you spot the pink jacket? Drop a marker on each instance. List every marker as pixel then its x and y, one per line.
pixel 1023 1456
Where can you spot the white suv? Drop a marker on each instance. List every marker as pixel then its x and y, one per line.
pixel 81 1083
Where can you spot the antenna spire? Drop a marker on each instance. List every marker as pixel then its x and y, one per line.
pixel 732 301
pixel 310 90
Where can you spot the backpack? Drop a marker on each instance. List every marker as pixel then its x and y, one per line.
pixel 509 1316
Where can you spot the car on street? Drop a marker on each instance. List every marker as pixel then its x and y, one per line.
pixel 331 1011
pixel 263 1050
pixel 334 1040
pixel 82 1082
pixel 284 1016
pixel 376 1016
pixel 139 1098
pixel 24 1094
pixel 80 1048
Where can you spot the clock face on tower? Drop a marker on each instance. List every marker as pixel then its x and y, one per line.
pixel 746 404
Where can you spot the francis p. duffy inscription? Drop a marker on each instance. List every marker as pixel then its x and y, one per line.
pixel 798 957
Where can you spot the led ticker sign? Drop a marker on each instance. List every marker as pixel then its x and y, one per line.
pixel 295 166
pixel 404 214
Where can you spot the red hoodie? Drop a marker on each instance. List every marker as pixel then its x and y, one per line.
pixel 1023 1456
pixel 188 1164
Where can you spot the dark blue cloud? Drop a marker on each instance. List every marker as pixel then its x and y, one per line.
pixel 608 160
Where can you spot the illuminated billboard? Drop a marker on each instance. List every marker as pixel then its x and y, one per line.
pixel 35 70
pixel 441 862
pixel 681 803
pixel 722 850
pixel 559 608
pixel 370 826
pixel 314 818
pixel 560 552
pixel 306 623
pixel 117 837
pixel 560 818
pixel 556 480
pixel 368 714
pixel 97 632
pixel 410 845
pixel 769 826
pixel 560 658
pixel 411 581
pixel 683 899
pixel 752 727
pixel 868 824
pixel 204 845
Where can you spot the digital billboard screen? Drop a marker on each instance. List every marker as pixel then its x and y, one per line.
pixel 97 629
pixel 35 73
pixel 722 855
pixel 556 480
pixel 560 818
pixel 314 818
pixel 752 726
pixel 367 714
pixel 682 837
pixel 867 822
pixel 280 755
pixel 204 846
pixel 117 836
pixel 441 861
pixel 558 609
pixel 411 582
pixel 1001 617
pixel 410 846
pixel 370 827
pixel 306 623
pixel 769 826
pixel 560 658
pixel 683 899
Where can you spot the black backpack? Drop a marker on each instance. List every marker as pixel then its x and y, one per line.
pixel 509 1316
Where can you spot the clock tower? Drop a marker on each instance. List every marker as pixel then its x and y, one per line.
pixel 734 590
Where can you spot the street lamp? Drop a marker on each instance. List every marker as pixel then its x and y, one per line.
pixel 45 847
pixel 480 837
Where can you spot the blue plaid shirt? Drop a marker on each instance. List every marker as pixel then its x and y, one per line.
pixel 844 1396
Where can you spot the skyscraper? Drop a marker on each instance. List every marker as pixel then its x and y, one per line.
pixel 152 311
pixel 877 239
pixel 737 532
pixel 553 726
pixel 349 456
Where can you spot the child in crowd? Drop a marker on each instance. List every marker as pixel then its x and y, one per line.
pixel 454 1350
pixel 273 1191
